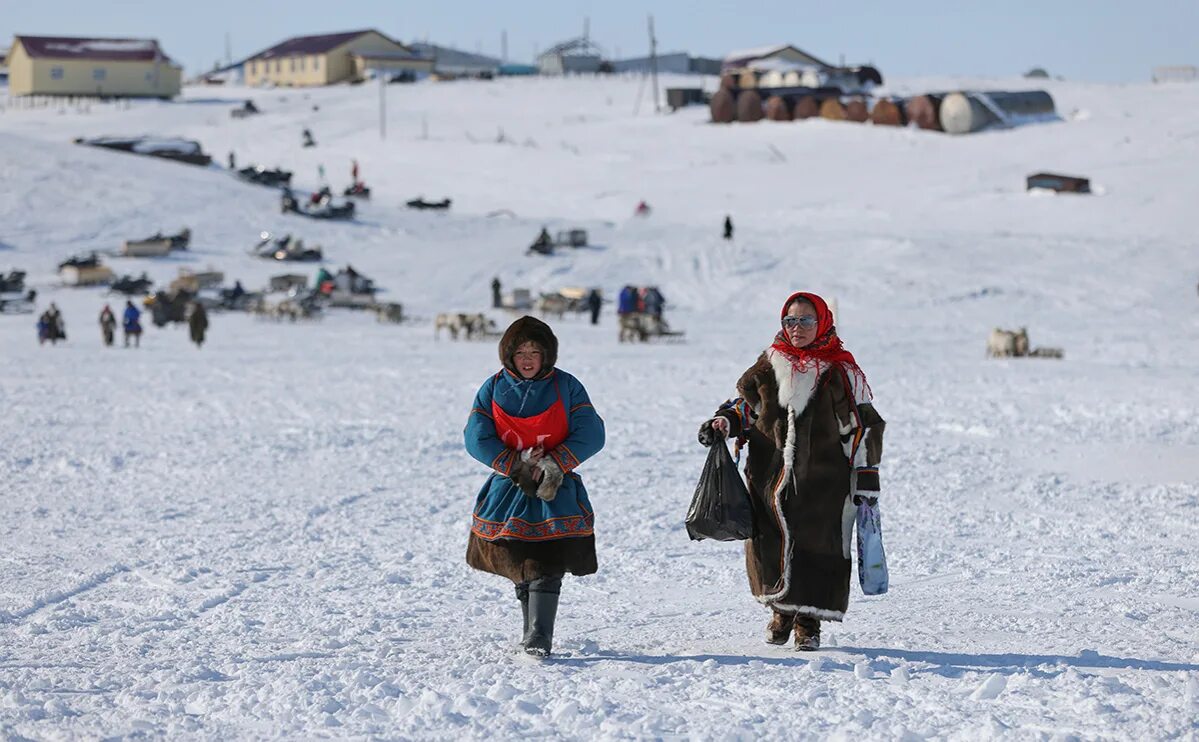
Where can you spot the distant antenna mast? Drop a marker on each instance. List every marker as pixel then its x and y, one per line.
pixel 228 49
pixel 586 28
pixel 504 46
pixel 653 62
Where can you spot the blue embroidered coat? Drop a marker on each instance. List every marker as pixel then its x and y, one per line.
pixel 502 510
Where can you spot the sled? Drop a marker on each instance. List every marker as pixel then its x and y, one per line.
pixel 639 327
pixel 261 176
pixel 150 248
pixel 16 305
pixel 128 285
pixel 93 275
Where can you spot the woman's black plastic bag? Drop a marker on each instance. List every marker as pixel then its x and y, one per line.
pixel 720 509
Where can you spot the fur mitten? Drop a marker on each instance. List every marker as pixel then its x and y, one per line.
pixel 522 474
pixel 551 479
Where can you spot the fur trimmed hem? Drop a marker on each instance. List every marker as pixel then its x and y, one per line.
pixel 522 561
pixel 823 614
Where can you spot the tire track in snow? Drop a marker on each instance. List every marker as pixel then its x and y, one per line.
pixel 60 596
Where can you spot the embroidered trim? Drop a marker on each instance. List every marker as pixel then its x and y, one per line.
pixel 521 530
pixel 503 461
pixel 564 457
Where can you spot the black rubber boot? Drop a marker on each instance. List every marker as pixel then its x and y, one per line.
pixel 543 609
pixel 522 594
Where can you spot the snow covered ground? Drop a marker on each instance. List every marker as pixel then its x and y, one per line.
pixel 265 538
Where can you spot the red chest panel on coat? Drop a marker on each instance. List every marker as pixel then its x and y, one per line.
pixel 547 429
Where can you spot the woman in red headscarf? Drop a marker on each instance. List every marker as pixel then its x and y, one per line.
pixel 815 441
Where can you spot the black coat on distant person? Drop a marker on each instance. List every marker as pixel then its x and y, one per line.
pixel 197 324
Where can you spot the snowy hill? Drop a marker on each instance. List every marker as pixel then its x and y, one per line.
pixel 265 538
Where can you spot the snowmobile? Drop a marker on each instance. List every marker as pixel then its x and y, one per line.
pixel 324 209
pixel 285 248
pixel 421 203
pixel 13 282
pixel 237 298
pixel 168 306
pixel 128 285
pixel 82 260
pixel 182 240
pixel 260 175
pixel 358 190
pixel 16 305
pixel 543 245
pixel 248 109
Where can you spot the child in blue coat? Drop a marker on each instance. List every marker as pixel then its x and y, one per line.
pixel 533 424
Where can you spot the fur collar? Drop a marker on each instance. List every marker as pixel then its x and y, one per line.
pixel 796 388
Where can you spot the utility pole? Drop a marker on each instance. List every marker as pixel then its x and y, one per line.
pixel 504 46
pixel 228 50
pixel 382 104
pixel 653 62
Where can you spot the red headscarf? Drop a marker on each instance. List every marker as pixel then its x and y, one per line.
pixel 823 352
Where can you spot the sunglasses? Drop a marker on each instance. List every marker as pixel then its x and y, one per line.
pixel 807 322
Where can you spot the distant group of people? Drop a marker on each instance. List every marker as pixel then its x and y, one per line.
pixel 51 326
pixel 645 300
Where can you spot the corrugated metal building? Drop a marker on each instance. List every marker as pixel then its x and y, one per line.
pixel 680 63
pixel 447 61
pixel 579 55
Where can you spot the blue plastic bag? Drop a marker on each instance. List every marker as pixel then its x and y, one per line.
pixel 872 560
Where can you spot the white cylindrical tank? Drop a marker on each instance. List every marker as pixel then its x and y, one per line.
pixel 962 113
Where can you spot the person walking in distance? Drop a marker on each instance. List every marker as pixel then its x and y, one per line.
pixel 108 325
pixel 197 323
pixel 132 324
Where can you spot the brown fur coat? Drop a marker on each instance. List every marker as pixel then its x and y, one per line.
pixel 815 443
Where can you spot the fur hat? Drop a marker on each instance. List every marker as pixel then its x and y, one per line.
pixel 529 330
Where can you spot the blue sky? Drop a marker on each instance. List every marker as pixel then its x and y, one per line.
pixel 1099 40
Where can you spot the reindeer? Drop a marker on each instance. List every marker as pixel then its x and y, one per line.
pixel 1007 344
pixel 474 326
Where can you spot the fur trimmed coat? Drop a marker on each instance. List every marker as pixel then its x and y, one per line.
pixel 814 445
pixel 514 532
